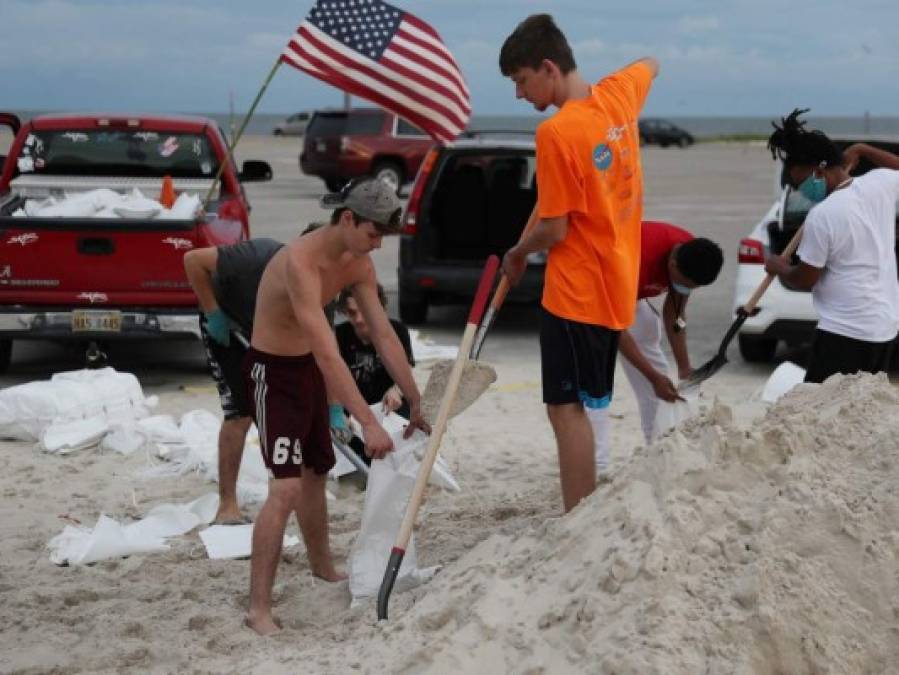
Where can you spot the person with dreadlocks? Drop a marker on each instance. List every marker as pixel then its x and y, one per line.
pixel 847 253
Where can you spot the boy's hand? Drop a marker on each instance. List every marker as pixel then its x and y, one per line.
pixel 377 441
pixel 392 400
pixel 416 421
pixel 514 265
pixel 665 388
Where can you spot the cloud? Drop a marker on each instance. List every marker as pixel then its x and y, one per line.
pixel 589 47
pixel 695 25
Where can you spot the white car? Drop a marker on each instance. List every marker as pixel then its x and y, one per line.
pixel 782 313
pixel 295 125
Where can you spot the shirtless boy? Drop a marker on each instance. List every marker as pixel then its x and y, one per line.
pixel 292 354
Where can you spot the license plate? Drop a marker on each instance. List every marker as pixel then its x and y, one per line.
pixel 103 322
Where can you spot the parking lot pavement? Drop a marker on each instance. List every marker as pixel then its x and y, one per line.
pixel 715 190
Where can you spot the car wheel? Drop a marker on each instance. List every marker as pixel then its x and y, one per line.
pixel 682 142
pixel 334 184
pixel 277 132
pixel 390 173
pixel 757 349
pixel 413 311
pixel 5 355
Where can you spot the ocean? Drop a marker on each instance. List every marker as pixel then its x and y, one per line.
pixel 703 127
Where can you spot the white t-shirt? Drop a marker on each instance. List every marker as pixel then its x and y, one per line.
pixel 852 236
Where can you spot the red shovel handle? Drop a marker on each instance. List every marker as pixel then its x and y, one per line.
pixel 483 292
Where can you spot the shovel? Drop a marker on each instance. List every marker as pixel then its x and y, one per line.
pixel 402 538
pixel 476 377
pixel 717 362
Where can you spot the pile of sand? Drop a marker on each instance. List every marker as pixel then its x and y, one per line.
pixel 760 547
pixel 771 549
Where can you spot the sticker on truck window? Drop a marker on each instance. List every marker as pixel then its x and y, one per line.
pixel 76 137
pixel 206 168
pixel 26 164
pixel 168 147
pixel 147 136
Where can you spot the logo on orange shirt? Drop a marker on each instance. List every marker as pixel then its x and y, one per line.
pixel 602 157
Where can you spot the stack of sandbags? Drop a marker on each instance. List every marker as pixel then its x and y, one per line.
pixel 71 409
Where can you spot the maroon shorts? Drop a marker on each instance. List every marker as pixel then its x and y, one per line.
pixel 290 407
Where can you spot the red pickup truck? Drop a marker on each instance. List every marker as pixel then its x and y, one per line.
pixel 113 274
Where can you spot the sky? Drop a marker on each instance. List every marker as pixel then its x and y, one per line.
pixel 718 58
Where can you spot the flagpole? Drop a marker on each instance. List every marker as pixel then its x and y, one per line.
pixel 243 126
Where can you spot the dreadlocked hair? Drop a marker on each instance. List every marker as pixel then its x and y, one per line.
pixel 797 146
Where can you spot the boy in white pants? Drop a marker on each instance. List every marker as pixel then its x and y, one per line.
pixel 672 261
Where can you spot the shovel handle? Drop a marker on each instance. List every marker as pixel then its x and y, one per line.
pixel 787 253
pixel 437 430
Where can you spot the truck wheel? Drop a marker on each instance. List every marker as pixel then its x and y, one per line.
pixel 755 349
pixel 413 311
pixel 5 355
pixel 390 173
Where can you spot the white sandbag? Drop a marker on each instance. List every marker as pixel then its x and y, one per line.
pixel 107 539
pixel 27 409
pixel 234 541
pixel 390 482
pixel 124 438
pixel 65 437
pixel 786 376
pixel 111 539
pixel 184 208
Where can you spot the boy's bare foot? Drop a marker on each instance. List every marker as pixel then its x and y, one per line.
pixel 263 625
pixel 229 514
pixel 328 573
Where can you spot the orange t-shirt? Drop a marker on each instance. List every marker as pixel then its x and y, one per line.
pixel 588 167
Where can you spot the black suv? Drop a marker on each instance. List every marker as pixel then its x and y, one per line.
pixel 469 200
pixel 664 133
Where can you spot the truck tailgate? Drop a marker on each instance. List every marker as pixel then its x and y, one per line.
pixel 56 257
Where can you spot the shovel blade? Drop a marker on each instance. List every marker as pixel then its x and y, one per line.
pixel 702 373
pixel 476 378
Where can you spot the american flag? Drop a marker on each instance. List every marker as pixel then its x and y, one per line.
pixel 380 53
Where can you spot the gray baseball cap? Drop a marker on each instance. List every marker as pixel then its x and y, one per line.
pixel 370 199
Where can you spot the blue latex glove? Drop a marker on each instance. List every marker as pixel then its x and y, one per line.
pixel 337 422
pixel 218 327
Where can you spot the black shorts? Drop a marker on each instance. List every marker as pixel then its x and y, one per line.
pixel 577 361
pixel 226 367
pixel 290 408
pixel 832 354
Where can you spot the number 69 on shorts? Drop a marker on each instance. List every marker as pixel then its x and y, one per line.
pixel 281 452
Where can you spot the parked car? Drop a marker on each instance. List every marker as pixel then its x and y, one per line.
pixel 295 125
pixel 783 314
pixel 340 145
pixel 469 200
pixel 95 276
pixel 664 133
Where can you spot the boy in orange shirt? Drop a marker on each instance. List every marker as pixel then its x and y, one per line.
pixel 590 192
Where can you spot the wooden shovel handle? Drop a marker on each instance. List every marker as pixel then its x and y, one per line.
pixel 787 253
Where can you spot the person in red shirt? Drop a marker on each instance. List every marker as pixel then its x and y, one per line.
pixel 672 262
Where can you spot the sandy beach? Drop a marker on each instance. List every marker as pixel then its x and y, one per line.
pixel 752 539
